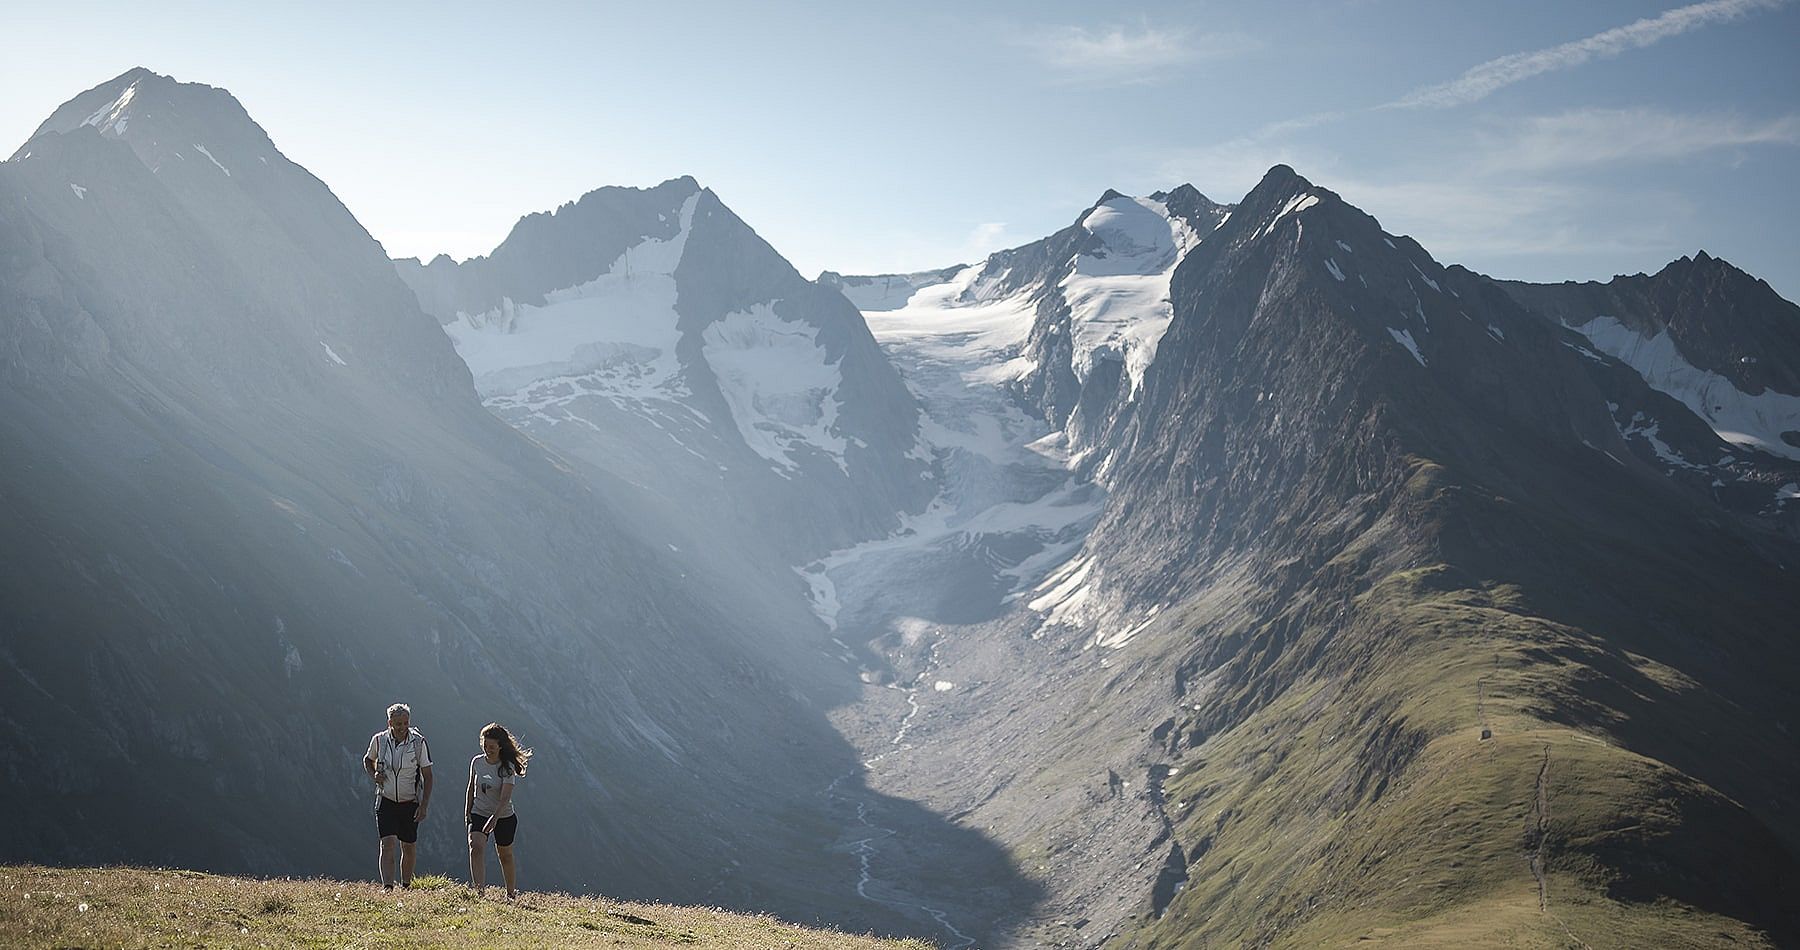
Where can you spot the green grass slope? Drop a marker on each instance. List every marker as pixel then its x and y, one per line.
pixel 1363 805
pixel 132 907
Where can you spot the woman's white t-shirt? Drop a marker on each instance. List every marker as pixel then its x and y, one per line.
pixel 488 780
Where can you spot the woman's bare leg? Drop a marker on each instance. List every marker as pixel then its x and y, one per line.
pixel 509 870
pixel 478 861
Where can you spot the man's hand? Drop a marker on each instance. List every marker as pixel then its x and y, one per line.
pixel 419 816
pixel 488 828
pixel 380 778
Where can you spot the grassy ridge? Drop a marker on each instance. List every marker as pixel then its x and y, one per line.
pixel 133 907
pixel 1365 808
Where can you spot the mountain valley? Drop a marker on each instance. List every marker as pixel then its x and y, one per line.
pixel 1200 574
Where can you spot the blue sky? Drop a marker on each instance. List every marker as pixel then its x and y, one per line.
pixel 1537 140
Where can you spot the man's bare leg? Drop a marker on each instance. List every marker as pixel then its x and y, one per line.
pixel 390 847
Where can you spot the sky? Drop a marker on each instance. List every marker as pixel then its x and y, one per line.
pixel 1533 140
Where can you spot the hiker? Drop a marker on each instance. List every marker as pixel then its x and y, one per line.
pixel 399 760
pixel 488 805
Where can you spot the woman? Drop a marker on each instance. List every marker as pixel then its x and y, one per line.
pixel 488 805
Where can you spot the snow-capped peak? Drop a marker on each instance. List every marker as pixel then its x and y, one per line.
pixel 613 336
pixel 1138 234
pixel 1118 294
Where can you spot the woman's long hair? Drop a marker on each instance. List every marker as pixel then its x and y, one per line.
pixel 512 758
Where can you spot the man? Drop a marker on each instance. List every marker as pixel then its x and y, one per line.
pixel 400 763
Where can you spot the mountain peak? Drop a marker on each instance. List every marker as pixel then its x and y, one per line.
pixel 1183 201
pixel 1182 192
pixel 1701 264
pixel 169 124
pixel 1282 192
pixel 110 106
pixel 1283 175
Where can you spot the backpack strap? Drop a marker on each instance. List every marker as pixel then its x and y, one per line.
pixel 418 770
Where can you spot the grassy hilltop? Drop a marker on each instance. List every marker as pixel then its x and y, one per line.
pixel 133 907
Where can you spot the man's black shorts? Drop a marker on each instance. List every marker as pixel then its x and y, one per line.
pixel 504 829
pixel 397 819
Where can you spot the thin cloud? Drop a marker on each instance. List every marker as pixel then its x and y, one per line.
pixel 1611 136
pixel 1122 55
pixel 1495 74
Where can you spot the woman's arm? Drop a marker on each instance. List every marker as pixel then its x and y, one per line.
pixel 469 793
pixel 505 796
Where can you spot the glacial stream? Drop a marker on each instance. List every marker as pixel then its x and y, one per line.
pixel 867 848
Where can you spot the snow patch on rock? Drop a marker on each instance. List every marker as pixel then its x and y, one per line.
pixel 112 116
pixel 1405 339
pixel 615 333
pixel 1754 421
pixel 779 384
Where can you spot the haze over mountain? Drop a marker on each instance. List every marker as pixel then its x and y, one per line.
pixel 252 497
pixel 1197 574
pixel 632 320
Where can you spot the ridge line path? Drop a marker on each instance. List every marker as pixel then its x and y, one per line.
pixel 1540 830
pixel 1535 832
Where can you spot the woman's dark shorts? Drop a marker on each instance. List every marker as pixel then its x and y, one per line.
pixel 397 819
pixel 504 829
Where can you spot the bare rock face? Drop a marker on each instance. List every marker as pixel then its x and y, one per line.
pixel 1721 319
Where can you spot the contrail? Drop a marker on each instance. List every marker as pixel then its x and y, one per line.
pixel 1483 80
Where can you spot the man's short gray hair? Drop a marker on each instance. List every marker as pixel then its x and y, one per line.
pixel 398 708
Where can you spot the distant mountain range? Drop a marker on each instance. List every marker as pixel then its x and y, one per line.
pixel 1199 574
